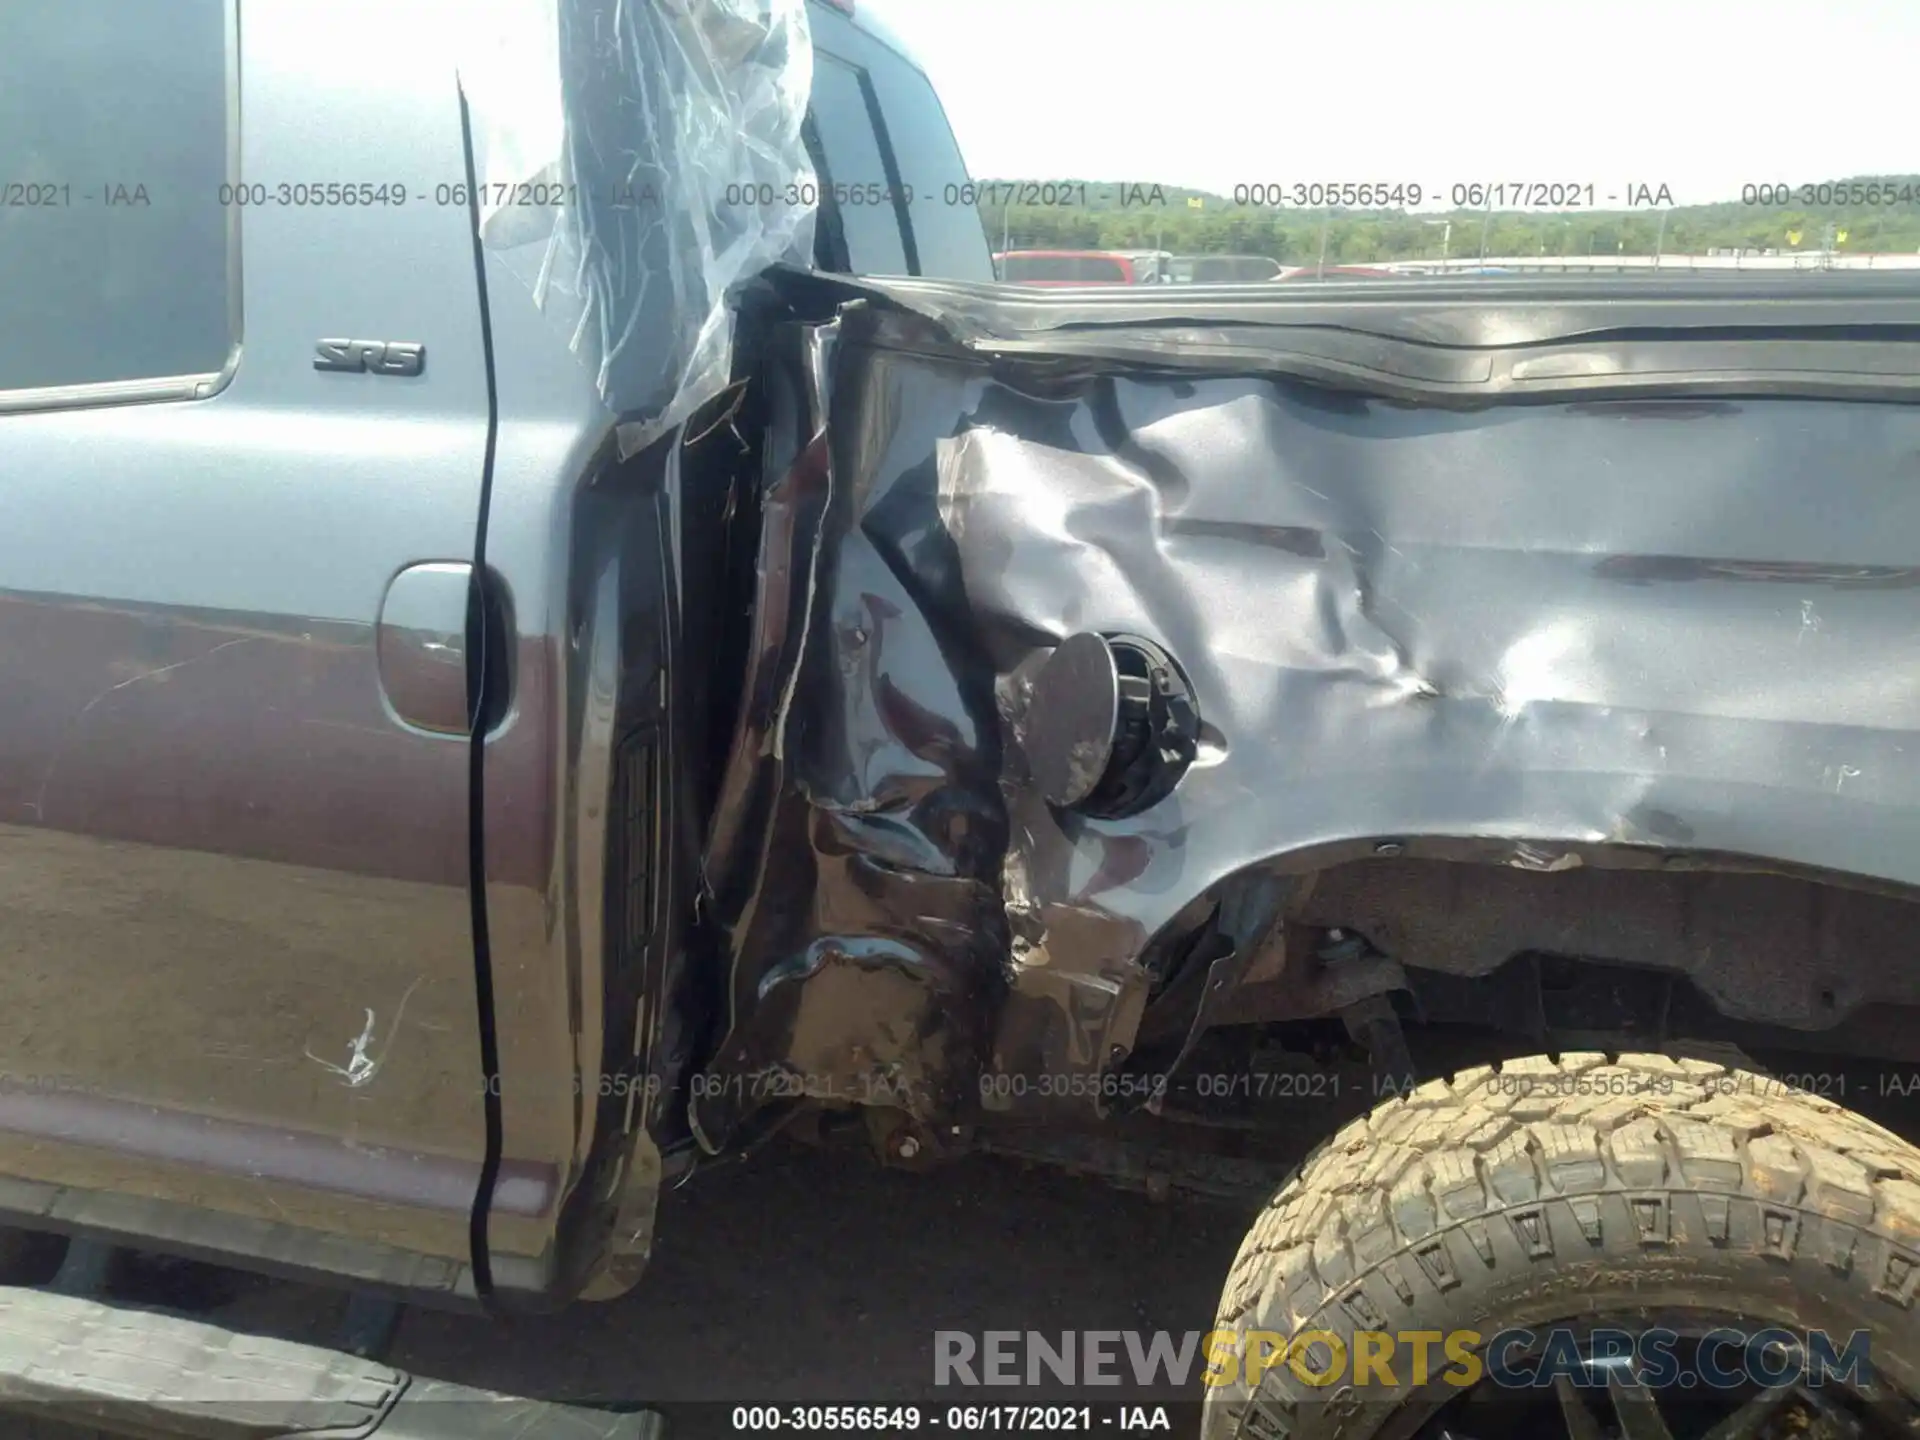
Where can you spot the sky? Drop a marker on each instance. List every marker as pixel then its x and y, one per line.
pixel 1701 95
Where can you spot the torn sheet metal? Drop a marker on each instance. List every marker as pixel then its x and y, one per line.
pixel 1547 625
pixel 637 162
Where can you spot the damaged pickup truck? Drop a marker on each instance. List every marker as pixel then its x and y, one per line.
pixel 639 693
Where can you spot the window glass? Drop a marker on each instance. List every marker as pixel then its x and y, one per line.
pixel 947 230
pixel 113 149
pixel 855 170
pixel 1577 176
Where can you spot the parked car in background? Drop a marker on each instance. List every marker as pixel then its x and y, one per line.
pixel 1223 269
pixel 1150 267
pixel 1341 272
pixel 1066 267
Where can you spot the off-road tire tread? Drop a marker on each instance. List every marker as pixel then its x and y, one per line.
pixel 1462 1172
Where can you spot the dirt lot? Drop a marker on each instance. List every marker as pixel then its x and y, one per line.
pixel 802 1275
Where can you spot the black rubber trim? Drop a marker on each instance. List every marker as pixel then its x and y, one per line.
pixel 909 247
pixel 477 691
pixel 830 250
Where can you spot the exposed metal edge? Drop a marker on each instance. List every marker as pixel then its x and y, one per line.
pixel 1405 370
pixel 1441 349
pixel 76 1360
pixel 1448 313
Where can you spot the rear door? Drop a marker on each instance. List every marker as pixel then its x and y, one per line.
pixel 236 978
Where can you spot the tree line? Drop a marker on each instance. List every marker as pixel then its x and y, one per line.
pixel 1302 236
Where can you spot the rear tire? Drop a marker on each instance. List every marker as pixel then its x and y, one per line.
pixel 1563 1190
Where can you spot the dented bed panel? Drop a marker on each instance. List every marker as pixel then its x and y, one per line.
pixel 1674 624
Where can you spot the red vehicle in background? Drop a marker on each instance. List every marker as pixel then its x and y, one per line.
pixel 1066 267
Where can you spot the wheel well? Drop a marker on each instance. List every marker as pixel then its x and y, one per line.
pixel 1607 945
pixel 1484 952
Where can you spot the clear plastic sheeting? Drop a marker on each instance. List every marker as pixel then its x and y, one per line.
pixel 638 160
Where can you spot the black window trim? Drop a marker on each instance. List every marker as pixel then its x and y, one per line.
pixel 909 246
pixel 830 249
pixel 198 386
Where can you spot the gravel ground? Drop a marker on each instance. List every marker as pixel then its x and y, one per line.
pixel 804 1275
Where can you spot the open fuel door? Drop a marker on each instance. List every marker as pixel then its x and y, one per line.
pixel 1082 621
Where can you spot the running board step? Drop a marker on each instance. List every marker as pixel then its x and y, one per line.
pixel 139 1373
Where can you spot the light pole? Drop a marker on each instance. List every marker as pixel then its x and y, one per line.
pixel 1446 238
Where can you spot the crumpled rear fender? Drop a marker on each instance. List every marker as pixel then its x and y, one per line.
pixel 1676 624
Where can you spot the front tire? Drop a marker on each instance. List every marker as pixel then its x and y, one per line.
pixel 1568 1190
